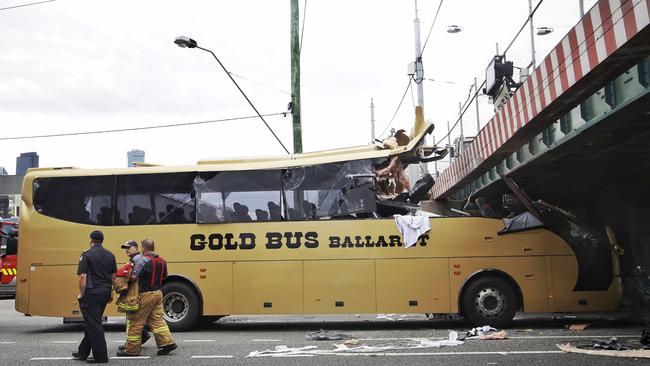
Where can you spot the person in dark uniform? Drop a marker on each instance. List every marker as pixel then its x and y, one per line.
pixel 96 272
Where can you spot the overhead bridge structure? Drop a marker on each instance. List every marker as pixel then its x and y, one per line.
pixel 576 133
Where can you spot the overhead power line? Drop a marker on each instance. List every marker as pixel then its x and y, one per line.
pixel 408 87
pixel 302 30
pixel 137 128
pixel 24 5
pixel 431 29
pixel 258 83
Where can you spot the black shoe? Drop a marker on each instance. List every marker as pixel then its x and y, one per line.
pixel 146 337
pixel 124 354
pixel 121 347
pixel 166 349
pixel 92 360
pixel 78 356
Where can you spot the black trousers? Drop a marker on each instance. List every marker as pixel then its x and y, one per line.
pixel 92 307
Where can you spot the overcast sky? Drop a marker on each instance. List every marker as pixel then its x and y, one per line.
pixel 86 65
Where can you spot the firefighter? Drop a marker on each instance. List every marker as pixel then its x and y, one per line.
pixel 150 272
pixel 96 272
pixel 131 248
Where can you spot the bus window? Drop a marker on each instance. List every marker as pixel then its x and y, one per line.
pixel 239 196
pixel 147 199
pixel 85 200
pixel 329 190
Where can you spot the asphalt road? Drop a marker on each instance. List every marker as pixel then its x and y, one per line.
pixel 531 340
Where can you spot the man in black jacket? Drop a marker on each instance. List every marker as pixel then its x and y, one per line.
pixel 96 272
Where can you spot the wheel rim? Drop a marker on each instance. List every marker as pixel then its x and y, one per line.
pixel 490 302
pixel 175 307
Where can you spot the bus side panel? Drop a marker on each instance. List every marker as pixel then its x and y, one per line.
pixel 56 287
pixel 528 272
pixel 214 280
pixel 343 286
pixel 564 299
pixel 413 285
pixel 268 287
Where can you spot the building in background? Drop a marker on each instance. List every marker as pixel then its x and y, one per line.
pixel 3 171
pixel 134 156
pixel 26 161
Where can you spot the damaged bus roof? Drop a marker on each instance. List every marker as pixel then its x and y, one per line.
pixel 262 162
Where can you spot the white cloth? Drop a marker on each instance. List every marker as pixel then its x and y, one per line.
pixel 412 227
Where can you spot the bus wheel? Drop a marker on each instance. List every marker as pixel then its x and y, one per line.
pixel 180 306
pixel 489 301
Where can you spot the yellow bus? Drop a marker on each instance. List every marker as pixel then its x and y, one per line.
pixel 311 233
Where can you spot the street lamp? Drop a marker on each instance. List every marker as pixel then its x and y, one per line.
pixel 187 42
pixel 542 31
pixel 454 29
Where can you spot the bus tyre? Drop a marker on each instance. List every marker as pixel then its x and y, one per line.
pixel 489 301
pixel 180 306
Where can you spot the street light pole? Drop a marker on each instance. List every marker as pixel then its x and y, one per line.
pixel 532 31
pixel 186 42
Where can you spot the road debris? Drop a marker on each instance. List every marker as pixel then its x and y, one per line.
pixel 350 347
pixel 636 353
pixel 494 335
pixel 324 335
pixel 579 327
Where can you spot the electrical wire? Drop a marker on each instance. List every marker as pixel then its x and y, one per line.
pixel 466 106
pixel 431 29
pixel 484 82
pixel 302 29
pixel 30 4
pixel 530 16
pixel 398 107
pixel 138 128
pixel 258 83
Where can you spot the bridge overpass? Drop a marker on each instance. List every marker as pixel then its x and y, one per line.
pixel 577 132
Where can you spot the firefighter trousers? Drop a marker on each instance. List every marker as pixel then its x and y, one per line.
pixel 150 312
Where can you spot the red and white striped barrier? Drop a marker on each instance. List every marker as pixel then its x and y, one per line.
pixel 608 27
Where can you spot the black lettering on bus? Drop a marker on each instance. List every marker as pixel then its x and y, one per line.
pixel 273 240
pixel 347 242
pixel 357 242
pixel 310 239
pixel 211 241
pixel 335 241
pixel 230 243
pixel 423 240
pixel 381 242
pixel 246 241
pixel 369 242
pixel 295 244
pixel 197 242
pixel 395 240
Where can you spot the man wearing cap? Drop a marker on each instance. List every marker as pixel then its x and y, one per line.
pixel 96 272
pixel 131 247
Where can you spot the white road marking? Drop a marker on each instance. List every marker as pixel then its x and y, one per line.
pixel 198 340
pixel 49 358
pixel 266 340
pixel 214 356
pixel 65 341
pixel 7 342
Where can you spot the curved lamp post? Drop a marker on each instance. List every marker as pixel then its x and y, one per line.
pixel 187 42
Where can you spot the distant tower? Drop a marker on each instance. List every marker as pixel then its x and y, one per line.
pixel 26 161
pixel 134 156
pixel 3 171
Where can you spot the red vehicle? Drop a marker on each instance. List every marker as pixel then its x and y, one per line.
pixel 9 257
